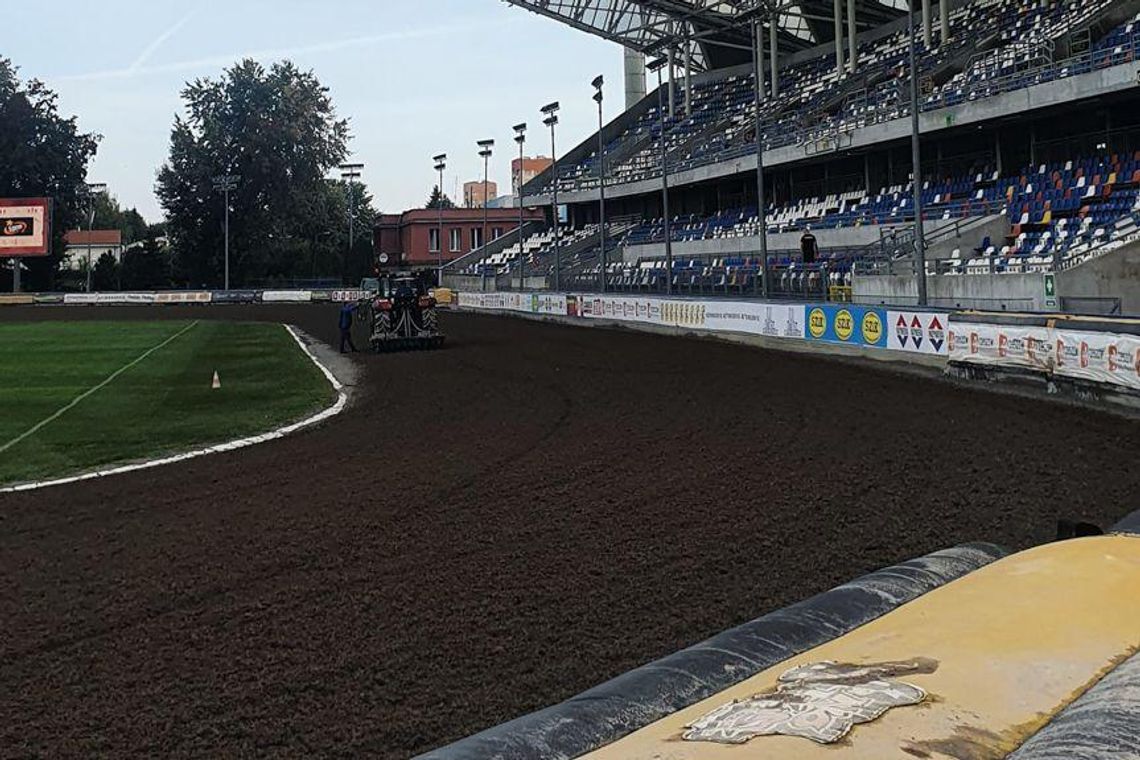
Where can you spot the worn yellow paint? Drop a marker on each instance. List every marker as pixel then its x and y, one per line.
pixel 1015 642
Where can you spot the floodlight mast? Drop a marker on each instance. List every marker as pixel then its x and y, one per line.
pixel 656 66
pixel 520 138
pixel 440 165
pixel 485 150
pixel 93 189
pixel 550 114
pixel 350 173
pixel 598 83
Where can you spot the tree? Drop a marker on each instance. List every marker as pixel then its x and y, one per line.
pixel 439 199
pixel 42 154
pixel 146 266
pixel 110 216
pixel 105 275
pixel 276 128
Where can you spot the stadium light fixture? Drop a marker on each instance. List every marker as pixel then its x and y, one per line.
pixel 350 173
pixel 657 65
pixel 598 82
pixel 520 138
pixel 440 165
pixel 485 150
pixel 550 112
pixel 93 189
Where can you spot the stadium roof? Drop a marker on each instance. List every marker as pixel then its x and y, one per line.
pixel 719 28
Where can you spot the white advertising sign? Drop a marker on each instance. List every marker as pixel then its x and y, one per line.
pixel 918 332
pixel 292 296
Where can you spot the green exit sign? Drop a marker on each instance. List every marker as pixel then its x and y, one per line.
pixel 1050 291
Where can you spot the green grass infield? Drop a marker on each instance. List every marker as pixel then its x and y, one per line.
pixel 77 396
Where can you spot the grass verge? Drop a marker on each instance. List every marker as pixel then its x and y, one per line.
pixel 162 405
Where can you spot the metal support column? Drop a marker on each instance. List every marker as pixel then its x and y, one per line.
pixel 944 21
pixel 672 93
pixel 916 162
pixel 852 38
pixel 838 8
pixel 16 274
pixel 927 32
pixel 773 54
pixel 688 77
pixel 761 200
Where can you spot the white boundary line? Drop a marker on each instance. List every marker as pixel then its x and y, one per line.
pixel 241 443
pixel 75 401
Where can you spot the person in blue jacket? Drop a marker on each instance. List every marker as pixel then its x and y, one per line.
pixel 346 313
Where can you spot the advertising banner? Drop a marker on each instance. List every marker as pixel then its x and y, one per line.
pixel 847 324
pixel 1097 357
pixel 774 320
pixel 286 296
pixel 17 300
pixel 918 332
pixel 233 296
pixel 183 297
pixel 106 299
pixel 347 296
pixel 25 226
pixel 1022 346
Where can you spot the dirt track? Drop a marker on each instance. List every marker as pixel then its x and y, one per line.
pixel 495 527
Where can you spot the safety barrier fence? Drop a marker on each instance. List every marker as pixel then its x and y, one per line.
pixel 1100 352
pixel 1095 352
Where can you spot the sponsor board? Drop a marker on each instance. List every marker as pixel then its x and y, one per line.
pixel 49 298
pixel 17 300
pixel 532 303
pixel 1021 346
pixel 286 296
pixel 847 324
pixel 918 332
pixel 347 296
pixel 1097 357
pixel 25 226
pixel 181 297
pixel 94 299
pixel 234 296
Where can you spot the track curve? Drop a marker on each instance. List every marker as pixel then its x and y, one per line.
pixel 494 527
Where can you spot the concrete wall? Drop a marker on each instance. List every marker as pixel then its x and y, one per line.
pixel 1115 274
pixel 1004 292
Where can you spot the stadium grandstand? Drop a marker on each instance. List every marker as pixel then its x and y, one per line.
pixel 1026 117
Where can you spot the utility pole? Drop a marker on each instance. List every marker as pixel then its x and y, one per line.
pixel 93 189
pixel 916 161
pixel 224 183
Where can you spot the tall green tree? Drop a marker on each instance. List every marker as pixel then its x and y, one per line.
pixel 42 154
pixel 109 215
pixel 439 199
pixel 277 129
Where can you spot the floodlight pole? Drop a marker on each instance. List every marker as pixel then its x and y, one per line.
pixel 656 66
pixel 350 173
pixel 761 199
pixel 520 138
pixel 224 184
pixel 485 147
pixel 550 112
pixel 598 83
pixel 440 165
pixel 916 160
pixel 93 189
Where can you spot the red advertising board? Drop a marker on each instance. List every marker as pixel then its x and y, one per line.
pixel 25 226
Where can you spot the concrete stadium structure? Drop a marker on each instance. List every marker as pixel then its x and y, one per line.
pixel 1008 96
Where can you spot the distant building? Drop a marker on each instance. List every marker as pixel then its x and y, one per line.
pixel 411 239
pixel 531 168
pixel 78 243
pixel 475 194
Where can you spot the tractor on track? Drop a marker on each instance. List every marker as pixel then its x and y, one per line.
pixel 399 313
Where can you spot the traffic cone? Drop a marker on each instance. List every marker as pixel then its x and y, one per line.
pixel 217 381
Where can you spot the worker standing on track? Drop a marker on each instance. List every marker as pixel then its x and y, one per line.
pixel 346 314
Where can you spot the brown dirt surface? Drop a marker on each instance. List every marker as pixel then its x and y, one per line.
pixel 494 527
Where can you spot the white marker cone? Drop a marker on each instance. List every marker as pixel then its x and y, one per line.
pixel 217 381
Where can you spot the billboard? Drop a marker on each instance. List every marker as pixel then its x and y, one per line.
pixel 851 324
pixel 25 227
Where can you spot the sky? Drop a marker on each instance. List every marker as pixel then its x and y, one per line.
pixel 415 78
